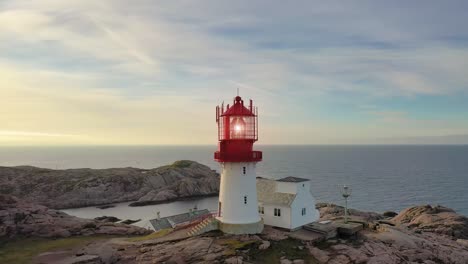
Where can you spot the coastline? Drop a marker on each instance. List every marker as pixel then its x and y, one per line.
pixel 424 232
pixel 136 203
pixel 77 188
pixel 184 198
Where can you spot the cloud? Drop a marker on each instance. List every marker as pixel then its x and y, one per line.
pixel 40 106
pixel 151 72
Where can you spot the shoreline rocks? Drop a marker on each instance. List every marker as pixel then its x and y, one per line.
pixel 74 188
pixel 23 219
pixel 435 219
pixel 421 234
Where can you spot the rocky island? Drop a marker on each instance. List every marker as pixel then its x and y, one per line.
pixel 72 188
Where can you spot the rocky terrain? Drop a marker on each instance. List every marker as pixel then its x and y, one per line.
pixel 60 189
pixel 421 234
pixel 19 219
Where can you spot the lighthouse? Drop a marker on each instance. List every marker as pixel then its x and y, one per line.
pixel 237 132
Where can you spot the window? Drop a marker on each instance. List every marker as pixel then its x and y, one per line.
pixel 303 211
pixel 277 212
pixel 245 199
pixel 243 170
pixel 261 210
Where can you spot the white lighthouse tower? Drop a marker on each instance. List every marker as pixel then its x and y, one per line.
pixel 237 132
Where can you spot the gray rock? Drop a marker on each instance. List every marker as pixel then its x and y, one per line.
pixel 20 218
pixel 73 188
pixel 234 260
pixel 437 219
pixel 265 245
pixel 389 214
pixel 85 259
pixel 321 256
pixel 333 211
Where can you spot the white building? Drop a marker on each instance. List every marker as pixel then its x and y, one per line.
pixel 286 203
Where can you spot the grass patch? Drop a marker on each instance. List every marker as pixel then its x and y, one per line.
pixel 22 251
pixel 182 163
pixel 154 235
pixel 234 244
pixel 323 245
pixel 289 248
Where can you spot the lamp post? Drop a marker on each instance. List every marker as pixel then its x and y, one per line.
pixel 346 192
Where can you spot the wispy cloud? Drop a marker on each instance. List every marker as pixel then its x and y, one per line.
pixel 148 71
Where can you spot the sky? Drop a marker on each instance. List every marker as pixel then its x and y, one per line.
pixel 145 72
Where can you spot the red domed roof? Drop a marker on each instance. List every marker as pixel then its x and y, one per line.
pixel 238 109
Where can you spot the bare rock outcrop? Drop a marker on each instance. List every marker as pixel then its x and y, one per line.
pixel 23 219
pixel 423 234
pixel 385 245
pixel 436 219
pixel 73 188
pixel 330 211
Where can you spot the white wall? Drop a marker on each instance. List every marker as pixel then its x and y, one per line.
pixel 304 199
pixel 292 187
pixel 291 217
pixel 233 187
pixel 286 187
pixel 280 221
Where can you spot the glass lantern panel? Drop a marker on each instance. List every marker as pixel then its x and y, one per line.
pixel 242 127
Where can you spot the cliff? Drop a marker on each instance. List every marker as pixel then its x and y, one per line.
pixel 73 188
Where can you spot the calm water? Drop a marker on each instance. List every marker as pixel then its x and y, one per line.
pixel 382 177
pixel 145 213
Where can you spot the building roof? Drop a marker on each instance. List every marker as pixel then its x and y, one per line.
pixel 238 109
pixel 173 220
pixel 266 192
pixel 292 179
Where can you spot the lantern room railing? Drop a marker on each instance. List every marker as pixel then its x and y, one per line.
pixel 238 157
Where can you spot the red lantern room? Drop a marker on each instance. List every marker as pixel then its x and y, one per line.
pixel 237 131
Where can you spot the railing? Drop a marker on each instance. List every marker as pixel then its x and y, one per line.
pixel 238 157
pixel 196 221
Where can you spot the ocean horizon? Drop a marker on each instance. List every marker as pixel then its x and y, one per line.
pixel 382 177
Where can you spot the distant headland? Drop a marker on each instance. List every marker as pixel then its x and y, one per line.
pixel 73 188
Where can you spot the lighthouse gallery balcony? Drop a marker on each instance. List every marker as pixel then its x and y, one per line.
pixel 238 157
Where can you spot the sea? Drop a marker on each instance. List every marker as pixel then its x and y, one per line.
pixel 381 177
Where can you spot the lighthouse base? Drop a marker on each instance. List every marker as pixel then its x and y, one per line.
pixel 240 229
